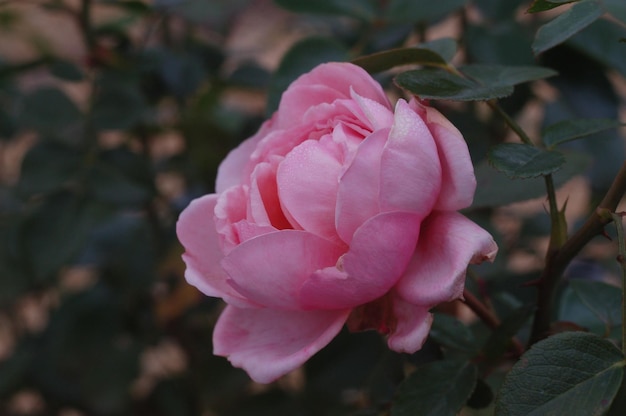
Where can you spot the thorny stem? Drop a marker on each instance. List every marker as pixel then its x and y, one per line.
pixel 621 258
pixel 480 310
pixel 558 259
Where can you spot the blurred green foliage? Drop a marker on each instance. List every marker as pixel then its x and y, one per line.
pixel 95 316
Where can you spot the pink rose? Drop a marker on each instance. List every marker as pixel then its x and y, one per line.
pixel 340 210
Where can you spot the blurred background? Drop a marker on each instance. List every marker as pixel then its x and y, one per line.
pixel 114 115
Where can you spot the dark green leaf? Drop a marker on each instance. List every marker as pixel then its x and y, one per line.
pixel 382 61
pixel 484 82
pixel 47 167
pixel 601 40
pixel 566 25
pixel 496 188
pixel 48 110
pixel 445 47
pixel 573 311
pixel 524 161
pixel 481 397
pixel 439 388
pixel 500 339
pixel 572 373
pixel 301 58
pixel 118 104
pixel 543 5
pixel 66 71
pixel 602 299
pixel 617 9
pixel 501 75
pixel 568 130
pixel 497 10
pixel 504 43
pixel 450 332
pixel 442 85
pixel 421 11
pixel 360 9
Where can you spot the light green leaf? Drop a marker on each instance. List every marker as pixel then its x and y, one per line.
pixel 524 161
pixel 382 61
pixel 572 373
pixel 569 130
pixel 566 25
pixel 439 388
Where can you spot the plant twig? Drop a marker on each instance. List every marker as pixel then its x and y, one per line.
pixel 480 310
pixel 621 258
pixel 510 122
pixel 558 259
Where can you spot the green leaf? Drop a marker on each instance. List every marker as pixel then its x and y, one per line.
pixel 496 188
pixel 48 110
pixel 500 339
pixel 566 25
pixel 452 333
pixel 360 9
pixel 483 82
pixel 382 61
pixel 444 47
pixel 66 71
pixel 602 299
pixel 421 11
pixel 572 373
pixel 601 41
pixel 442 85
pixel 47 167
pixel 543 5
pixel 524 161
pixel 501 75
pixel 569 130
pixel 302 57
pixel 118 103
pixel 439 388
pixel 616 8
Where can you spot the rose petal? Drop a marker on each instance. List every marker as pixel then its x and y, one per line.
pixel 307 186
pixel 379 253
pixel 412 326
pixel 196 232
pixel 458 181
pixel 448 243
pixel 379 115
pixel 357 195
pixel 269 343
pixel 326 83
pixel 270 269
pixel 410 169
pixel 232 170
pixel 263 204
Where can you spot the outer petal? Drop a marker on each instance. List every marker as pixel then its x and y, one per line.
pixel 410 169
pixel 270 268
pixel 307 186
pixel 196 232
pixel 448 243
pixel 232 170
pixel 357 196
pixel 269 343
pixel 412 326
pixel 458 181
pixel 378 255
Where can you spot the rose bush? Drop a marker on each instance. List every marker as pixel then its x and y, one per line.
pixel 340 210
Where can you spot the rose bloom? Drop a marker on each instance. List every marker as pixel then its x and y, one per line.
pixel 341 210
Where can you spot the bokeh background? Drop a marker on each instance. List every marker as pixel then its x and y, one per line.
pixel 114 115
